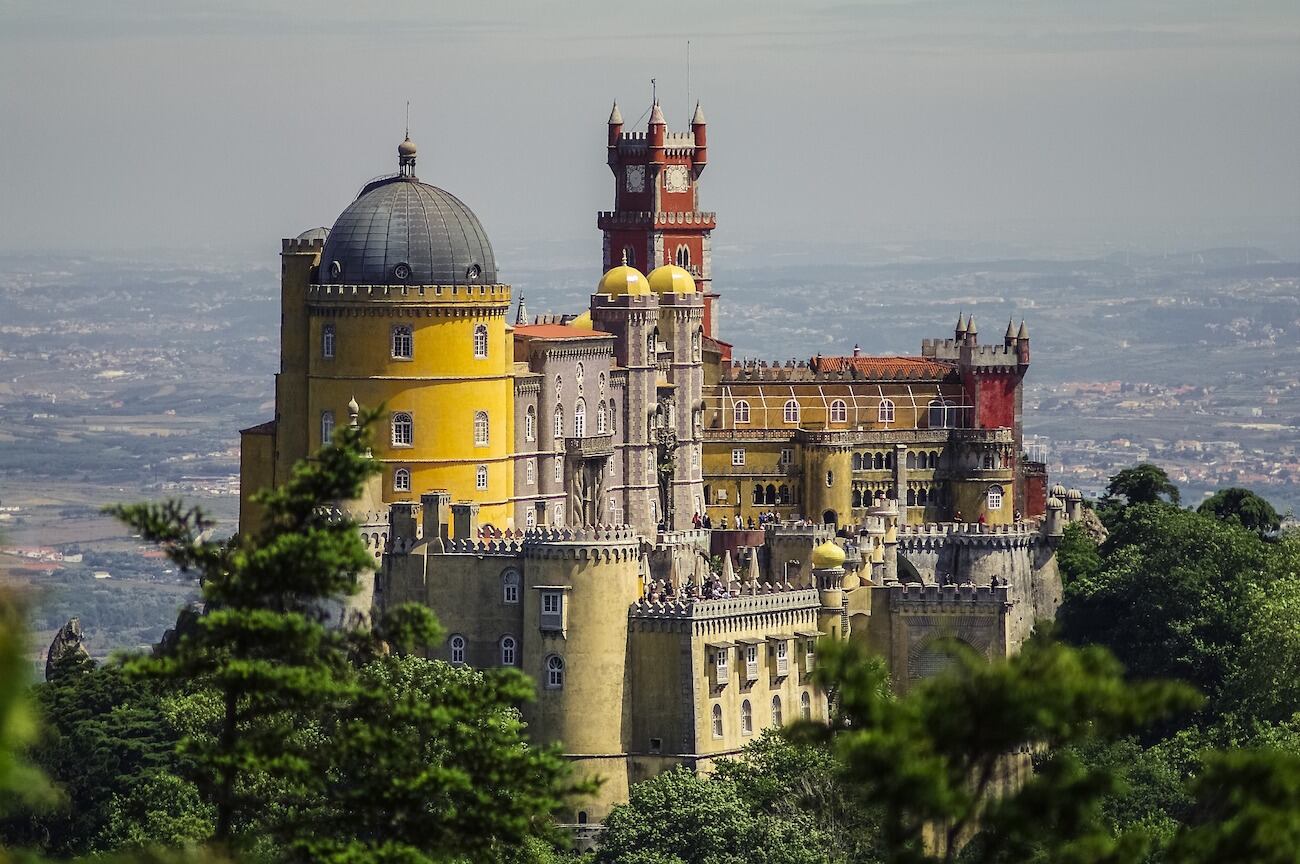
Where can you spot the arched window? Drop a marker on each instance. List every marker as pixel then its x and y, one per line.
pixel 403 429
pixel 995 498
pixel 327 342
pixel 911 459
pixel 683 256
pixel 559 470
pixel 839 412
pixel 746 718
pixel 557 514
pixel 577 376
pixel 650 344
pixel 530 424
pixel 922 497
pixel 791 411
pixel 769 494
pixel 758 493
pixel 480 477
pixel 934 460
pixel 559 421
pixel 697 345
pixel 938 414
pixel 740 413
pixel 510 586
pixel 480 429
pixel 805 705
pixel 554 672
pixel 911 497
pixel 530 471
pixel 602 419
pixel 402 480
pixel 776 710
pixel 480 340
pixel 857 497
pixel 403 346
pixel 613 418
pixel 602 385
pixel 878 461
pixel 457 646
pixel 530 519
pixel 508 646
pixel 886 414
pixel 582 817
pixel 326 427
pixel 559 386
pixel 857 461
pixel 717 721
pixel 889 459
pixel 580 419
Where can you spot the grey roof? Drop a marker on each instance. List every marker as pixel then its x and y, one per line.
pixel 399 220
pixel 315 233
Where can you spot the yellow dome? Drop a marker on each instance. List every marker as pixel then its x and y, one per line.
pixel 583 321
pixel 827 555
pixel 671 279
pixel 623 280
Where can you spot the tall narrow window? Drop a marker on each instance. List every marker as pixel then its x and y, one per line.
pixel 559 470
pixel 480 429
pixel 602 419
pixel 554 672
pixel 530 424
pixel 510 586
pixel 530 519
pixel 776 710
pixel 403 429
pixel 559 421
pixel 402 480
pixel 740 413
pixel 327 342
pixel 697 341
pixel 326 427
pixel 508 646
pixel 480 340
pixel 746 718
pixel 791 411
pixel 530 471
pixel 683 256
pixel 886 413
pixel 580 419
pixel 480 477
pixel 839 412
pixel 805 705
pixel 457 645
pixel 402 342
pixel 613 418
pixel 717 721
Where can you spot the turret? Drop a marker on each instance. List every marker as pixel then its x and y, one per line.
pixel 1022 344
pixel 972 335
pixel 657 130
pixel 701 154
pixel 1010 338
pixel 959 332
pixel 828 574
pixel 615 130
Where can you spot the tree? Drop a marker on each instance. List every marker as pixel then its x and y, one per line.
pixel 1247 810
pixel 1144 483
pixel 1077 555
pixel 1243 507
pixel 22 784
pixel 941 760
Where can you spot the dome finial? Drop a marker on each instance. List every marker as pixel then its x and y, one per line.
pixel 624 256
pixel 406 150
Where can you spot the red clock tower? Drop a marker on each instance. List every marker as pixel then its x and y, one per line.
pixel 656 218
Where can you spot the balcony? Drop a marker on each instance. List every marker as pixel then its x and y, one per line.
pixel 590 447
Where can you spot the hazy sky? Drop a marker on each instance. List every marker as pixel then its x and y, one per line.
pixel 222 127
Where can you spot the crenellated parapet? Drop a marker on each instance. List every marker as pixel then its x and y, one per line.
pixel 598 543
pixel 934 535
pixel 302 245
pixel 947 599
pixel 495 293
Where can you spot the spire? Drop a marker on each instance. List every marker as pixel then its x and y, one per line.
pixel 1011 329
pixel 521 316
pixel 970 326
pixel 657 115
pixel 1024 332
pixel 624 256
pixel 615 116
pixel 698 118
pixel 961 323
pixel 406 157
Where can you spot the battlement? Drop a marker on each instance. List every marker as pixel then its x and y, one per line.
pixel 929 598
pixel 693 537
pixel 603 542
pixel 913 538
pixel 301 246
pixel 624 301
pixel 772 599
pixel 978 356
pixel 496 293
pixel 654 219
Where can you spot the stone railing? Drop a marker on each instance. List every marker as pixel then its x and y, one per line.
pixel 699 608
pixel 927 596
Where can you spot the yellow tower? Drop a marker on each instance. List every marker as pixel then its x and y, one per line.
pixel 400 309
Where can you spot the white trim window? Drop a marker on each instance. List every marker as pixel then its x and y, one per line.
pixel 326 427
pixel 557 512
pixel 403 342
pixel 791 411
pixel 995 498
pixel 530 519
pixel 530 472
pixel 559 421
pixel 403 429
pixel 510 586
pixel 602 419
pixel 509 651
pixel 738 456
pixel 559 470
pixel 805 705
pixel 580 419
pixel 456 645
pixel 480 341
pixel 480 478
pixel 613 418
pixel 402 480
pixel 839 411
pixel 776 711
pixel 885 414
pixel 327 342
pixel 683 256
pixel 787 456
pixel 530 424
pixel 746 718
pixel 554 672
pixel 717 721
pixel 740 412
pixel 480 429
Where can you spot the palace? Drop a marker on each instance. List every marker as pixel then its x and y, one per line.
pixel 654 531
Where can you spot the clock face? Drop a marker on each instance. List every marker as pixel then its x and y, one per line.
pixel 635 178
pixel 676 179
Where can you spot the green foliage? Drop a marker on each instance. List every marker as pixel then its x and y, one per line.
pixel 1142 484
pixel 1077 557
pixel 1243 507
pixel 1247 810
pixel 934 758
pixel 22 784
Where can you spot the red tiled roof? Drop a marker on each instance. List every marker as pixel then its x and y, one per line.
pixel 556 331
pixel 893 368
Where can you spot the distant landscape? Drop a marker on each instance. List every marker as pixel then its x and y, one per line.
pixel 143 371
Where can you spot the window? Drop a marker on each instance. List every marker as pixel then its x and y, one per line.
pixel 830 479
pixel 403 429
pixel 557 514
pixel 326 427
pixel 559 421
pixel 650 341
pixel 720 671
pixel 738 456
pixel 530 519
pixel 740 413
pixel 717 721
pixel 911 459
pixel 402 480
pixel 683 256
pixel 613 415
pixel 559 386
pixel 530 424
pixel 457 645
pixel 510 586
pixel 480 341
pixel 552 610
pixel 805 705
pixel 508 646
pixel 480 429
pixel 480 477
pixel 602 419
pixel 776 710
pixel 839 412
pixel 751 662
pixel 554 672
pixel 580 419
pixel 559 470
pixel 695 456
pixel 746 718
pixel 791 411
pixel 787 456
pixel 602 385
pixel 782 658
pixel 530 471
pixel 943 414
pixel 995 498
pixel 582 817
pixel 886 414
pixel 327 342
pixel 697 341
pixel 577 376
pixel 402 342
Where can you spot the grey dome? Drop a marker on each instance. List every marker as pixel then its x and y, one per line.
pixel 400 231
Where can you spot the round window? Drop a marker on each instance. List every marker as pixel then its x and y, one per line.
pixel 336 269
pixel 472 272
pixel 402 271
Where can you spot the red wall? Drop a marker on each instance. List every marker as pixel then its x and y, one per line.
pixel 994 395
